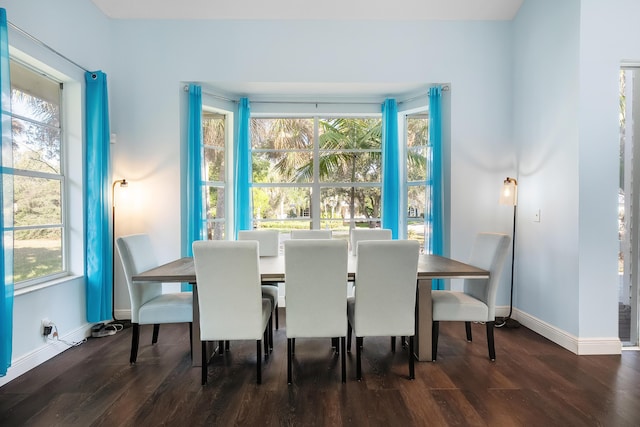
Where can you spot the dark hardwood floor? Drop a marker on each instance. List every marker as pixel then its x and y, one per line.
pixel 533 382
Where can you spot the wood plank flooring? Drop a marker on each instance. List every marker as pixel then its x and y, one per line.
pixel 533 382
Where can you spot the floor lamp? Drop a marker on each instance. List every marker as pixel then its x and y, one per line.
pixel 123 184
pixel 509 196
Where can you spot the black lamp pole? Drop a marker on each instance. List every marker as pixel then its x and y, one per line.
pixel 123 183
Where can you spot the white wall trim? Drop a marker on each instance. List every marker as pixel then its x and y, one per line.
pixel 40 355
pixel 122 314
pixel 579 346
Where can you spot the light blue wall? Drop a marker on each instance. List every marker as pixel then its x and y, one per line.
pixel 545 133
pixel 609 34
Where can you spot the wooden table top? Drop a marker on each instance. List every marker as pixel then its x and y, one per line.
pixel 272 270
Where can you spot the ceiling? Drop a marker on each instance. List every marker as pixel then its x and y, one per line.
pixel 415 10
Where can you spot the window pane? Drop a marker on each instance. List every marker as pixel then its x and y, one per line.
pixel 37 201
pixel 282 133
pixel 35 147
pixel 281 202
pixel 416 203
pixel 279 166
pixel 417 130
pixel 417 164
pixel 37 253
pixel 214 162
pixel 215 203
pixel 416 230
pixel 341 166
pixel 34 108
pixel 346 133
pixel 216 230
pixel 213 128
pixel 360 203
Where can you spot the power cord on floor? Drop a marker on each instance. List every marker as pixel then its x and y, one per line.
pixel 55 336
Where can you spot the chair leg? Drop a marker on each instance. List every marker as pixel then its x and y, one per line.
pixel 349 332
pixel 277 318
pixel 467 327
pixel 271 333
pixel 289 354
pixel 293 346
pixel 412 372
pixel 403 342
pixel 393 344
pixel 490 342
pixel 334 344
pixel 227 346
pixel 191 339
pixel 435 326
pixel 135 339
pixel 265 339
pixel 343 358
pixel 204 362
pixel 359 343
pixel 221 347
pixel 259 361
pixel 156 329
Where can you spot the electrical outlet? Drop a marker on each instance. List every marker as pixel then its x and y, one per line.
pixel 47 327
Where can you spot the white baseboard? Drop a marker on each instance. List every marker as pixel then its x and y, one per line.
pixel 579 346
pixel 49 350
pixel 122 314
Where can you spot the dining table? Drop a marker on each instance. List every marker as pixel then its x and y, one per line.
pixel 272 270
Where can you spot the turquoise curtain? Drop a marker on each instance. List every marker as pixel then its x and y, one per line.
pixel 242 172
pixel 98 242
pixel 6 194
pixel 390 168
pixel 434 217
pixel 196 222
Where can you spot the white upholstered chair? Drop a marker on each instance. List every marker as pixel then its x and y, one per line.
pixel 361 234
pixel 229 295
pixel 148 304
pixel 385 294
pixel 477 303
pixel 316 297
pixel 311 234
pixel 268 245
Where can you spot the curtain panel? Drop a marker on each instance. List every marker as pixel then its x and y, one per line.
pixel 242 172
pixel 98 241
pixel 435 212
pixel 6 195
pixel 196 223
pixel 390 168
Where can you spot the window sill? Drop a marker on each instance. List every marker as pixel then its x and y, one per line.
pixel 39 286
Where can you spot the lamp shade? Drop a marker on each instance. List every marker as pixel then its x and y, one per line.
pixel 509 193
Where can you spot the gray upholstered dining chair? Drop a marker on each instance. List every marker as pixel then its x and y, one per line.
pixel 361 234
pixel 385 295
pixel 149 305
pixel 477 303
pixel 311 234
pixel 316 297
pixel 230 312
pixel 268 245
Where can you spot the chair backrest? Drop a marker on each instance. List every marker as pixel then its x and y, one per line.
pixel 385 288
pixel 311 234
pixel 489 252
pixel 228 286
pixel 360 234
pixel 136 254
pixel 316 297
pixel 268 240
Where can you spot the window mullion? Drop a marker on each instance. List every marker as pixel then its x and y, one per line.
pixel 315 187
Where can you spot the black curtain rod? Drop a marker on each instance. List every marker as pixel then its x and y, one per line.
pixel 44 45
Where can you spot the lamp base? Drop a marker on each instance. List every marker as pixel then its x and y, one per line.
pixel 506 322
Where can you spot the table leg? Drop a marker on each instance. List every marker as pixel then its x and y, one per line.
pixel 423 321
